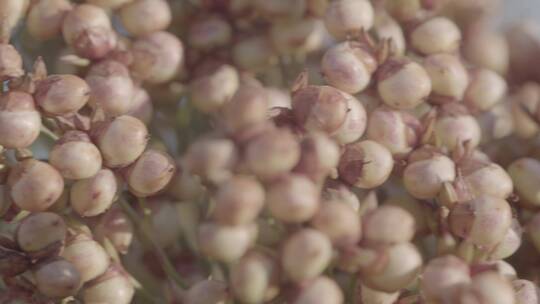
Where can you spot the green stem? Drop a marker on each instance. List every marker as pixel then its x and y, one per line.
pixel 352 288
pixel 148 236
pixel 146 211
pixel 21 215
pixel 47 132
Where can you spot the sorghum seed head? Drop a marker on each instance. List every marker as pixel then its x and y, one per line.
pixel 114 286
pixel 184 186
pixel 115 226
pixel 143 17
pixel 20 122
pixel 411 10
pixel 449 78
pixel 339 222
pixel 87 256
pixel 207 291
pixel 318 291
pixel 373 296
pixel 299 36
pixel 150 173
pixel 486 88
pixel 225 243
pixel 45 18
pixel 10 62
pixel 526 292
pixel 489 287
pixel 272 153
pixel 255 278
pixel 111 87
pixel 443 277
pixel 238 201
pixel 454 126
pixel 525 173
pixel 485 177
pixel 40 230
pixel 402 267
pixel 211 91
pixel 293 199
pixel 141 106
pixel 57 278
pixel 424 179
pixel 483 221
pixel 403 83
pixel 306 254
pixel 348 66
pixel 211 159
pixel 436 35
pixel 385 27
pixel 87 28
pixel 247 107
pixel 319 156
pixel 366 260
pixel 487 49
pixel 157 57
pixel 505 269
pixel 497 122
pixel 388 225
pixel 34 185
pixel 335 190
pixel 524 108
pixel 320 108
pixel 398 131
pixel 129 131
pixel 61 94
pixel 354 125
pixel 347 17
pixel 510 243
pixel 12 11
pixel 94 195
pixel 413 206
pixel 75 156
pixel 365 164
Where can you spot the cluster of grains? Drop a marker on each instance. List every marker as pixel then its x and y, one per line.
pixel 268 151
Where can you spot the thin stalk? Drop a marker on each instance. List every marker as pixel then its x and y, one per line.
pixel 352 288
pixel 47 132
pixel 148 236
pixel 146 211
pixel 21 215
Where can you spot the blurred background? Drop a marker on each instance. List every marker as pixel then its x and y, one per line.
pixel 519 9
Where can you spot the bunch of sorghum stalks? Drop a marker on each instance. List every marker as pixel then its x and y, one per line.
pixel 268 151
